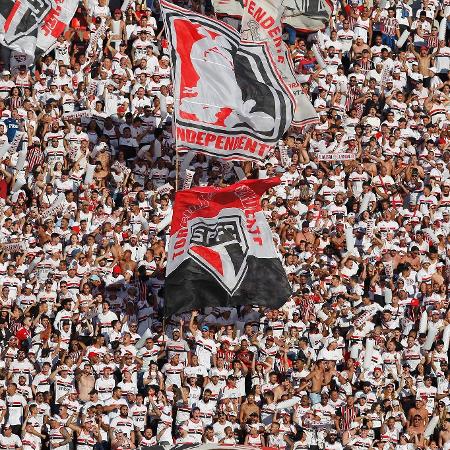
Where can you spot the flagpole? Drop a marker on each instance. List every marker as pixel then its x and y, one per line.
pixel 177 168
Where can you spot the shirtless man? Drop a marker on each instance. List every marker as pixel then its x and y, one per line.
pixel 358 47
pixel 444 434
pixel 416 431
pixel 418 410
pixel 317 379
pixel 424 59
pixel 127 263
pixel 247 408
pixel 282 389
pixel 86 382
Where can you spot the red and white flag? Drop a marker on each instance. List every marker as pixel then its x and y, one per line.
pixel 221 250
pixel 261 21
pixel 306 16
pixel 32 26
pixel 230 99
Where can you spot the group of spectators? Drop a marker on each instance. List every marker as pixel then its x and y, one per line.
pixel 356 359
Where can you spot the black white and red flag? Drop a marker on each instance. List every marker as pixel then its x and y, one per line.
pixel 221 250
pixel 32 26
pixel 306 16
pixel 261 21
pixel 230 99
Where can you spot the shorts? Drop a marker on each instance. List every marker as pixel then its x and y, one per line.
pixel 315 398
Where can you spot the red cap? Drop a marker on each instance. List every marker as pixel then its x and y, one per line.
pixel 75 23
pixel 117 10
pixel 121 109
pixel 117 269
pixel 424 47
pixel 441 141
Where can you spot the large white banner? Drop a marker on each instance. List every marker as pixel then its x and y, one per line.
pixel 261 21
pixel 303 15
pixel 31 26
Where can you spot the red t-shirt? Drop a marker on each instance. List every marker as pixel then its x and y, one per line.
pixel 3 189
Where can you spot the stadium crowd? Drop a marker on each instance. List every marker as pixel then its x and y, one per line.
pixel 356 359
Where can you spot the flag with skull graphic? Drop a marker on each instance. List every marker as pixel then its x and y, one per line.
pixel 221 250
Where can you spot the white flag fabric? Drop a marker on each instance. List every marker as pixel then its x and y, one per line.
pixel 261 21
pixel 307 15
pixel 304 15
pixel 32 26
pixel 230 99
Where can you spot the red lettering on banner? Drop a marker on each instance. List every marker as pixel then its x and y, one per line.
pixel 50 22
pixel 250 145
pixel 267 23
pixel 278 41
pixel 230 143
pixel 190 136
pixel 259 14
pixel 251 5
pixel 200 136
pixel 209 138
pixel 263 148
pixel 274 32
pixel 176 254
pixel 219 142
pixel 250 205
pixel 181 134
pixel 180 243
